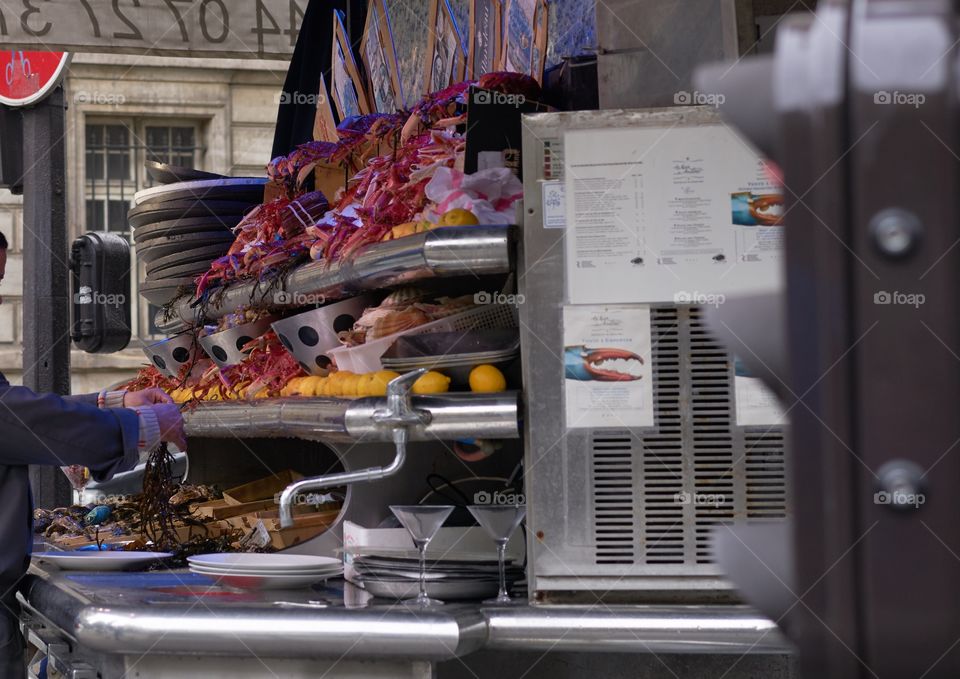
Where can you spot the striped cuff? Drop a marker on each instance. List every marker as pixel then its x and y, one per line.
pixel 149 437
pixel 110 399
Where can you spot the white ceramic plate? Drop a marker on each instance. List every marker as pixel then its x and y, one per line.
pixel 268 581
pixel 323 573
pixel 265 563
pixel 100 561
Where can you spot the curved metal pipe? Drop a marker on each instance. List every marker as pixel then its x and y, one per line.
pixel 398 415
pixel 291 492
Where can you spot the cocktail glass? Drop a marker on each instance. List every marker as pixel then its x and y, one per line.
pixel 500 522
pixel 422 522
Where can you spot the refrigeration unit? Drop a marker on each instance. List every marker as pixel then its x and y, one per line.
pixel 643 434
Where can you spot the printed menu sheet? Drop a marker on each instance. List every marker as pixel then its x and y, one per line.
pixel 666 214
pixel 608 374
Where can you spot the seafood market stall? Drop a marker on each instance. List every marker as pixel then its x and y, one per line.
pixel 447 414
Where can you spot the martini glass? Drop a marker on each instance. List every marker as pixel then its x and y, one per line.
pixel 500 521
pixel 422 522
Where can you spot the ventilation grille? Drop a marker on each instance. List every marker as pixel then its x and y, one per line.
pixel 613 498
pixel 766 474
pixel 659 492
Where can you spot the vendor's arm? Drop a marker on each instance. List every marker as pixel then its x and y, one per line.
pixel 48 429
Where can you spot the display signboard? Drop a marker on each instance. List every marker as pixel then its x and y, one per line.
pixel 260 29
pixel 674 213
pixel 29 76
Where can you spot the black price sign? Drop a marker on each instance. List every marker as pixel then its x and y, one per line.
pixel 264 29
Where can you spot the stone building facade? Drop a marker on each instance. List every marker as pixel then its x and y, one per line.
pixel 214 114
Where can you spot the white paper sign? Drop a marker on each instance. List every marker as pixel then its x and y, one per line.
pixel 554 207
pixel 607 366
pixel 665 214
pixel 756 403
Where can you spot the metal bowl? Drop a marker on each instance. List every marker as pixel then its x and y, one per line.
pixel 169 355
pixel 224 347
pixel 311 334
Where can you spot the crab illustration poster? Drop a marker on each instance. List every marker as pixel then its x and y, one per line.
pixel 607 365
pixel 669 212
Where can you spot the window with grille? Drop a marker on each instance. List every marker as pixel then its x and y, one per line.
pixel 115 150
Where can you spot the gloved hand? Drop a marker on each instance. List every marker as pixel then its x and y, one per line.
pixel 171 424
pixel 145 397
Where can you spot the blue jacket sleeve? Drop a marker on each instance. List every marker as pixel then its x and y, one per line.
pixel 86 399
pixel 49 429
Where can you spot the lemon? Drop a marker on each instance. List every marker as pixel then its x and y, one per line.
pixel 458 217
pixel 364 384
pixel 431 383
pixel 290 388
pixel 320 386
pixel 378 383
pixel 487 379
pixel 307 386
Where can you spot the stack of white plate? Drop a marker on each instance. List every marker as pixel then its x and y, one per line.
pixel 266 571
pixel 463 576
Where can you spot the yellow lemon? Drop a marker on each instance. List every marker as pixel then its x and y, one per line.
pixel 431 383
pixel 308 386
pixel 458 217
pixel 364 384
pixel 487 379
pixel 290 388
pixel 348 386
pixel 378 383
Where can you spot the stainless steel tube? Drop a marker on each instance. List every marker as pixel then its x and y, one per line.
pixel 452 416
pixel 448 251
pixel 634 629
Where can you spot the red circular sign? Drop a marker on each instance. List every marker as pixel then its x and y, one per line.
pixel 27 77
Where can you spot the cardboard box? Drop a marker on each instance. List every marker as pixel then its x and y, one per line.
pixel 221 509
pixel 261 489
pixel 272 520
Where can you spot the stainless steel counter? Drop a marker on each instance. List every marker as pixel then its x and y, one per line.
pixel 181 613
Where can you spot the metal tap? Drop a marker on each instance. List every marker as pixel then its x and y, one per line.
pixel 399 416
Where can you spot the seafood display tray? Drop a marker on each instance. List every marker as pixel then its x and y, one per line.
pixel 452 416
pixel 443 252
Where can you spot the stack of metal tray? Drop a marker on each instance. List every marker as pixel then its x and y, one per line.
pixel 455 353
pixel 181 227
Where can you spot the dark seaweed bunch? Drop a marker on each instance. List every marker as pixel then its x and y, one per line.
pixel 157 515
